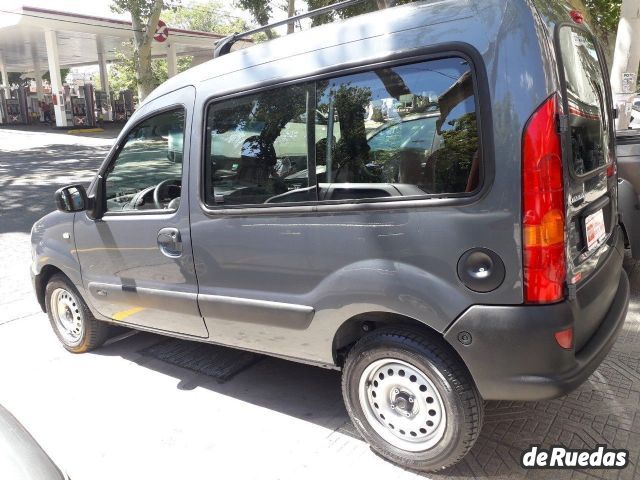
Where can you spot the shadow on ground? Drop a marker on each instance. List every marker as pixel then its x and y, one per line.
pixel 605 410
pixel 28 179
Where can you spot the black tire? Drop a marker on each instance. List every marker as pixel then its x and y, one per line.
pixel 459 396
pixel 92 334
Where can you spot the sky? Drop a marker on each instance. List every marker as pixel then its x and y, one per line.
pixel 100 8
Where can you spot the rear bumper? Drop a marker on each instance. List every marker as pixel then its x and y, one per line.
pixel 513 354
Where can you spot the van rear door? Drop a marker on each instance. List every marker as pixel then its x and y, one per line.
pixel 590 180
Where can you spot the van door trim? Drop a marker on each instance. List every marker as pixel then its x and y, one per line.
pixel 248 310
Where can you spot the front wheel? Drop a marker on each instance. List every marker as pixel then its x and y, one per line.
pixel 411 399
pixel 74 325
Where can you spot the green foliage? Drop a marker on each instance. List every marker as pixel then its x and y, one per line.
pixel 122 73
pixel 141 9
pixel 260 10
pixel 353 11
pixel 63 74
pixel 453 161
pixel 605 15
pixel 15 77
pixel 210 16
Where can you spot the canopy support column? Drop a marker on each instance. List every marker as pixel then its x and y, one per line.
pixel 7 90
pixel 104 78
pixel 51 41
pixel 172 60
pixel 37 71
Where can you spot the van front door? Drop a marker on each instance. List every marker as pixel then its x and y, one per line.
pixel 136 261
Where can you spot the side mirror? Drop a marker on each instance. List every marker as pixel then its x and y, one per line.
pixel 72 198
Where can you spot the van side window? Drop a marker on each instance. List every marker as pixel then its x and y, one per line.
pixel 399 131
pixel 586 96
pixel 147 172
pixel 257 148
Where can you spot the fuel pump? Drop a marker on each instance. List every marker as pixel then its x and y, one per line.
pixel 90 105
pixel 15 108
pixel 127 96
pixel 102 103
pixel 82 109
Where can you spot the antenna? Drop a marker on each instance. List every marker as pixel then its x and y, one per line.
pixel 224 45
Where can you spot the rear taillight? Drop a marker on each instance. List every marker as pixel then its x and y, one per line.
pixel 543 207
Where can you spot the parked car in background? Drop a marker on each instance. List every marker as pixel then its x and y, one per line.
pixel 21 457
pixel 628 155
pixel 424 198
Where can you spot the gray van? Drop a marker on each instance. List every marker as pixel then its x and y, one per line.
pixel 446 233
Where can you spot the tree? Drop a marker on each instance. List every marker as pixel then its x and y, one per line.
pixel 15 78
pixel 205 17
pixel 260 10
pixel 352 11
pixel 63 74
pixel 210 16
pixel 144 21
pixel 122 72
pixel 291 11
pixel 605 15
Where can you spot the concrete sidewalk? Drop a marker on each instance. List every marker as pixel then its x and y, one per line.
pixel 119 413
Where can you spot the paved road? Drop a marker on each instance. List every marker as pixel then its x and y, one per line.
pixel 120 413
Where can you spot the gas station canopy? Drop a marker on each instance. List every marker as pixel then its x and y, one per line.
pixel 81 38
pixel 34 40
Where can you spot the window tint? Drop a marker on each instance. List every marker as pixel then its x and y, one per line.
pixel 585 92
pixel 400 131
pixel 147 172
pixel 411 127
pixel 257 148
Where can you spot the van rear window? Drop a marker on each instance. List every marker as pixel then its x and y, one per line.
pixel 399 131
pixel 586 98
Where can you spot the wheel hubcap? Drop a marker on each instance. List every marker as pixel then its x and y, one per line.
pixel 402 404
pixel 67 315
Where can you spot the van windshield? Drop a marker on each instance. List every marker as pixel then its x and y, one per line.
pixel 586 97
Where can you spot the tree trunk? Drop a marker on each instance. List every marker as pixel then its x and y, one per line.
pixel 144 73
pixel 143 36
pixel 291 11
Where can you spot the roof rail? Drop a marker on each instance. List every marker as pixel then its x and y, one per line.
pixel 224 45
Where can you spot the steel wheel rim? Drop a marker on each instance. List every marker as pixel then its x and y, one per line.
pixel 402 405
pixel 67 316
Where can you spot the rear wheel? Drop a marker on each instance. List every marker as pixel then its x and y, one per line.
pixel 411 399
pixel 74 325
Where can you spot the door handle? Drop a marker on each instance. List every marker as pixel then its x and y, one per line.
pixel 170 242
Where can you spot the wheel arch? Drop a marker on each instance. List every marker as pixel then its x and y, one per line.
pixel 41 280
pixel 354 328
